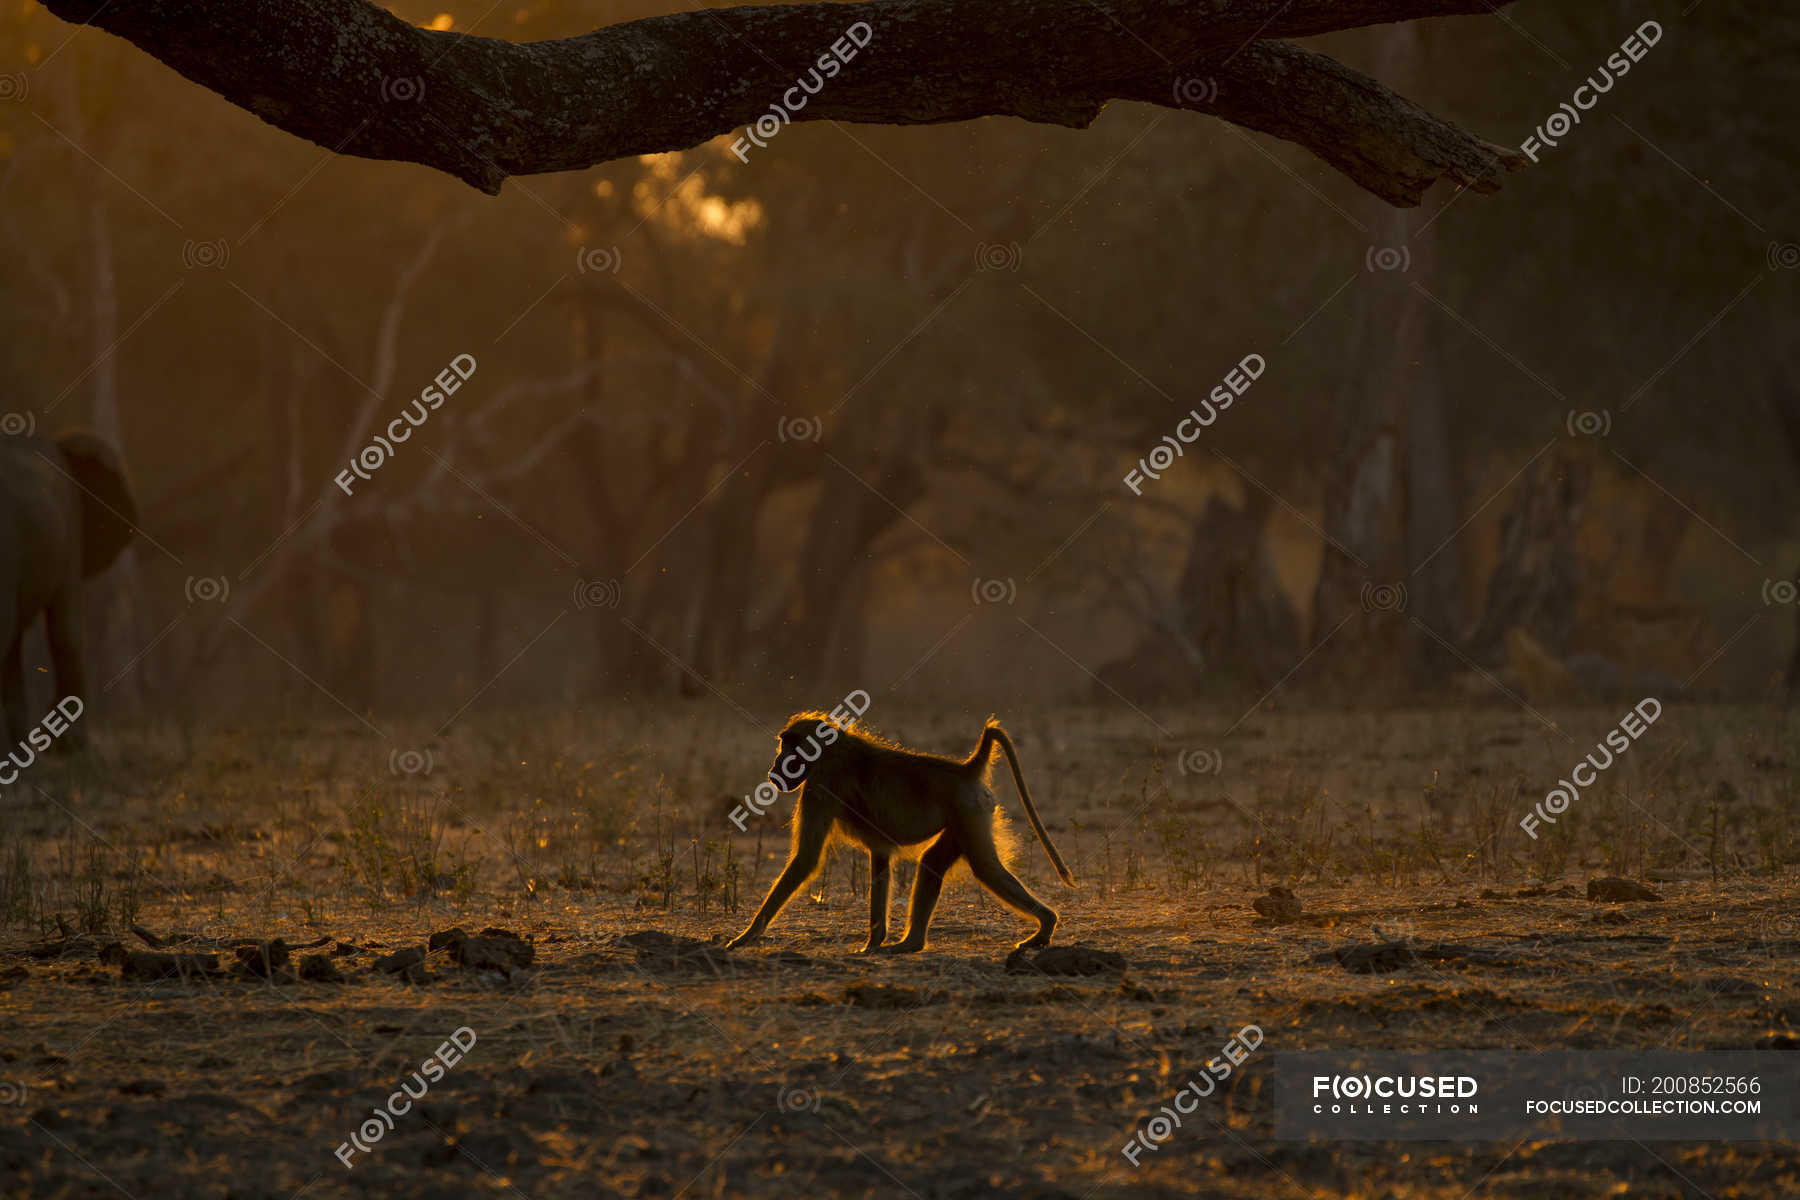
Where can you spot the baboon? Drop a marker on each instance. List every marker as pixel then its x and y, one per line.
pixel 883 797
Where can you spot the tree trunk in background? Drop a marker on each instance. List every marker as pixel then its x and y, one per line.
pixel 1393 502
pixel 1786 402
pixel 1536 579
pixel 1227 623
pixel 304 591
pixel 819 636
pixel 112 602
pixel 621 662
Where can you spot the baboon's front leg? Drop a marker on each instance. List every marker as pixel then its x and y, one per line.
pixel 878 901
pixel 809 847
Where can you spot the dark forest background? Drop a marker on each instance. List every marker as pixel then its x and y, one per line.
pixel 856 413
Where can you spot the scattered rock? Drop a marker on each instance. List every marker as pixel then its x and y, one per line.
pixel 493 953
pixel 316 968
pixel 1369 958
pixel 1279 905
pixel 152 964
pixel 1613 889
pixel 1064 960
pixel 58 948
pixel 345 949
pixel 408 964
pixel 656 939
pixel 881 995
pixel 494 950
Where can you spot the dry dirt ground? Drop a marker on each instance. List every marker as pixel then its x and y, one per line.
pixel 632 1057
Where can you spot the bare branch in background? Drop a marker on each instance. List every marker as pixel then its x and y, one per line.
pixel 359 80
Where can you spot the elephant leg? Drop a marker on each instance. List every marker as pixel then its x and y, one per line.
pixel 64 627
pixel 12 688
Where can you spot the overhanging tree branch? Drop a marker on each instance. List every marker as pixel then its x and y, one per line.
pixel 358 80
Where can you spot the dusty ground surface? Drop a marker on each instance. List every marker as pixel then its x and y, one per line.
pixel 629 1060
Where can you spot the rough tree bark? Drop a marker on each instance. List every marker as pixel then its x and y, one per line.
pixel 1394 503
pixel 359 80
pixel 1227 622
pixel 1537 581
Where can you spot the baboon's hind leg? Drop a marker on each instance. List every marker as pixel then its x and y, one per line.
pixel 985 865
pixel 934 864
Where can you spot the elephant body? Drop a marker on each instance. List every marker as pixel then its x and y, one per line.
pixel 66 513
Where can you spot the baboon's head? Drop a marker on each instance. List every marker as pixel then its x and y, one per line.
pixel 796 747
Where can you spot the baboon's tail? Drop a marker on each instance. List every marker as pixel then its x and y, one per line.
pixel 992 734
